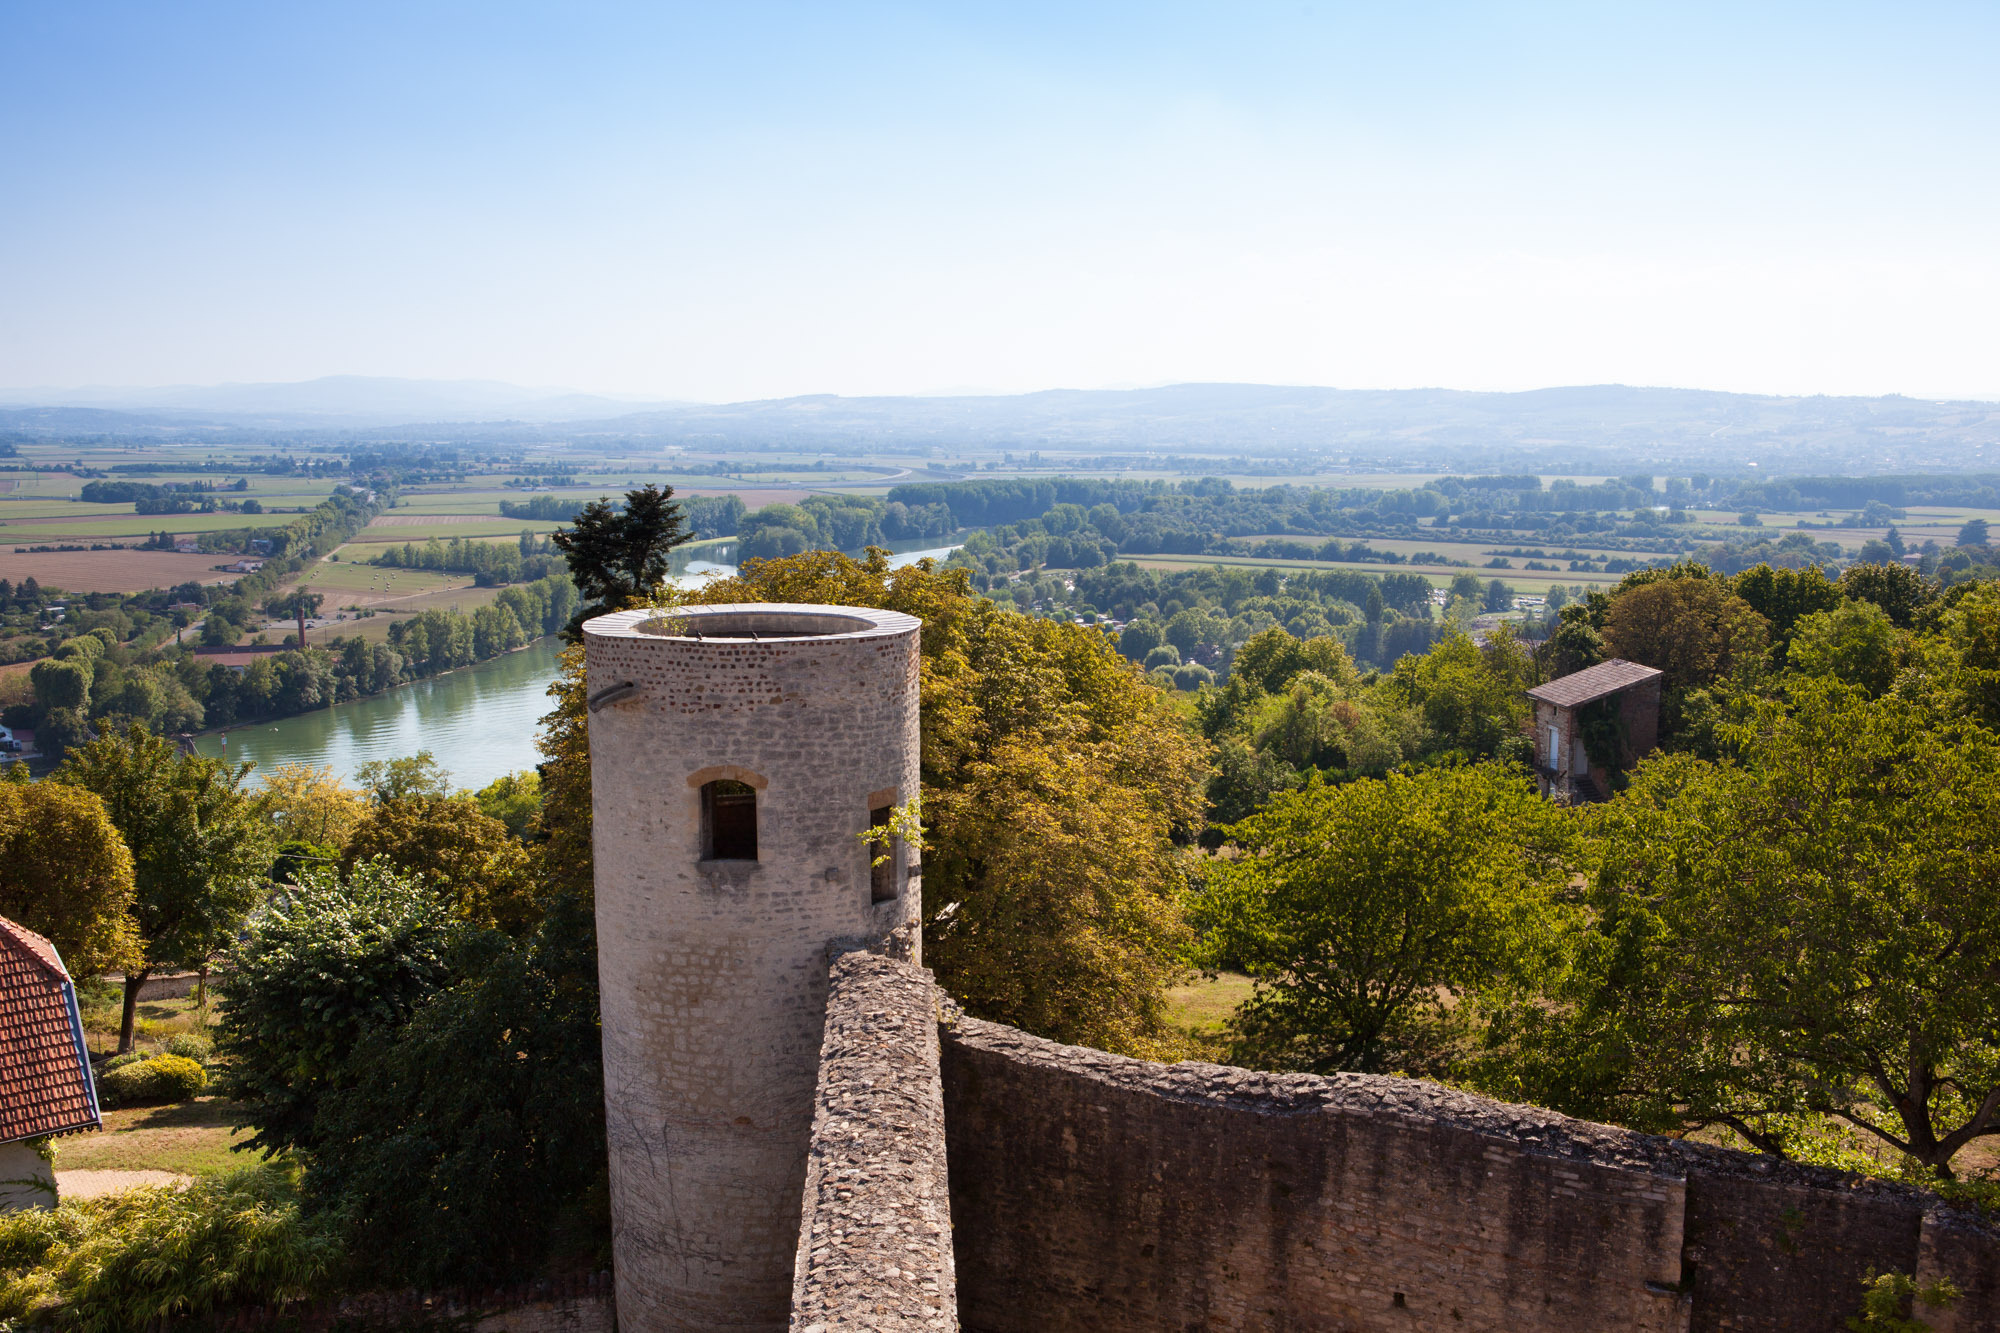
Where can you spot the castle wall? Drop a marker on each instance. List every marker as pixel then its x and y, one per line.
pixel 875 1242
pixel 713 973
pixel 1090 1191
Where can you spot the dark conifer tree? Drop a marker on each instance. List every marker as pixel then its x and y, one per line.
pixel 619 555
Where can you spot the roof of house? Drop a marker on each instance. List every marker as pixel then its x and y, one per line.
pixel 1580 687
pixel 45 1083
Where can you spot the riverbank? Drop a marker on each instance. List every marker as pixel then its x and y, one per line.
pixel 479 721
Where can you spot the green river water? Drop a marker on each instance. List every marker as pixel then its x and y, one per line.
pixel 479 721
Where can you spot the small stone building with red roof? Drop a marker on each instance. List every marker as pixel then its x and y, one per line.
pixel 1613 708
pixel 45 1082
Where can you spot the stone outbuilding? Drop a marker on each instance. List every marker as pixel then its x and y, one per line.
pixel 1612 709
pixel 45 1083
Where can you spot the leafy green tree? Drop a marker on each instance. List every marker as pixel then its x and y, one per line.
pixel 463 854
pixel 406 778
pixel 1973 533
pixel 199 842
pixel 515 799
pixel 1471 700
pixel 1782 596
pixel 1369 913
pixel 618 556
pixel 469 1145
pixel 330 962
pixel 62 684
pixel 1693 628
pixel 66 874
pixel 1813 930
pixel 1896 588
pixel 1857 643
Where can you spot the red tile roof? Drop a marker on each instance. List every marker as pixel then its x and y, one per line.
pixel 1580 687
pixel 45 1084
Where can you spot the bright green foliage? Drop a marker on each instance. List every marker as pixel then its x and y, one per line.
pixel 163 1078
pixel 113 1264
pixel 1887 1306
pixel 1060 790
pixel 1813 930
pixel 1371 912
pixel 1471 699
pixel 515 800
pixel 1857 643
pixel 327 964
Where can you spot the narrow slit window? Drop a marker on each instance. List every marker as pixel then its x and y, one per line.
pixel 729 815
pixel 881 859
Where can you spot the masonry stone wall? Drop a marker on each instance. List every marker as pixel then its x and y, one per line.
pixel 713 973
pixel 875 1242
pixel 1089 1191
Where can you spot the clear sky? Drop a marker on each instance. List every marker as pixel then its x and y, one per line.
pixel 733 200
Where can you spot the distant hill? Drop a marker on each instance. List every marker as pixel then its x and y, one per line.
pixel 1604 428
pixel 339 400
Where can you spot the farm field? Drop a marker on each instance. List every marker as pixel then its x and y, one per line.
pixel 84 525
pixel 345 583
pixel 112 571
pixel 401 527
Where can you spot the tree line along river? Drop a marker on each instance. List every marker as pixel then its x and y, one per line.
pixel 479 721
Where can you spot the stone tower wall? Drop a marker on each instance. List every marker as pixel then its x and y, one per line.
pixel 713 973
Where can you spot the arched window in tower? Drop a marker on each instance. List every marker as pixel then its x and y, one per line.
pixel 728 821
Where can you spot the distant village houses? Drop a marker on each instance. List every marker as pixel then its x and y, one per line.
pixel 1592 725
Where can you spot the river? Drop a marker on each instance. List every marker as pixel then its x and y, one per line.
pixel 479 721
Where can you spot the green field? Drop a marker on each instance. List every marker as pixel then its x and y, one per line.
pixel 346 579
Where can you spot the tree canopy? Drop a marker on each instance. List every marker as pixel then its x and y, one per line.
pixel 1370 912
pixel 66 874
pixel 199 843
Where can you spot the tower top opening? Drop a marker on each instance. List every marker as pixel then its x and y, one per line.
pixel 763 622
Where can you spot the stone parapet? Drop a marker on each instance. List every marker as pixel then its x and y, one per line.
pixel 875 1239
pixel 1091 1191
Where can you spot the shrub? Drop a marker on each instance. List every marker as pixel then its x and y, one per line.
pixel 121 1261
pixel 176 1078
pixel 164 1078
pixel 120 1061
pixel 190 1045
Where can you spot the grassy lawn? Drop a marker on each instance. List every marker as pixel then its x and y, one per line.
pixel 191 1138
pixel 1204 1005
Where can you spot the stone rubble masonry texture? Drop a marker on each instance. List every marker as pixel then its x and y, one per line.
pixel 713 973
pixel 1091 1191
pixel 875 1243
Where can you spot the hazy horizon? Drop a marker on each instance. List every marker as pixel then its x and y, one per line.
pixel 679 203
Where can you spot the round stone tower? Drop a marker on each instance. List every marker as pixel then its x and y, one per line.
pixel 737 756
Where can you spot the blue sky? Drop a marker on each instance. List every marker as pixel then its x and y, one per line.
pixel 744 200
